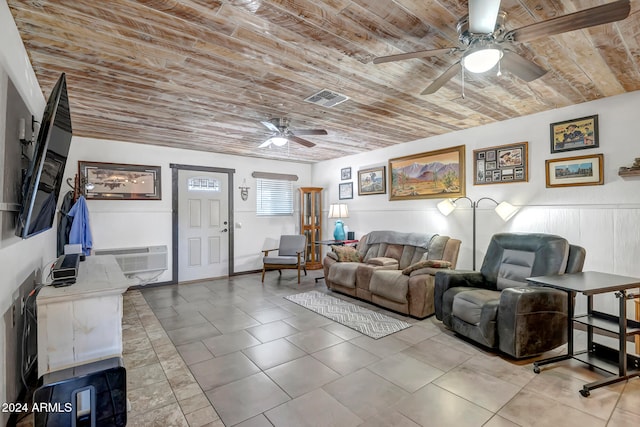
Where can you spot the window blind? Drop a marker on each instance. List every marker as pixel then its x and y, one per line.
pixel 274 197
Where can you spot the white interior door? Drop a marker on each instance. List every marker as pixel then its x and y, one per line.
pixel 203 225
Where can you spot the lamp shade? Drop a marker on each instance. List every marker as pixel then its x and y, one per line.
pixel 446 207
pixel 338 210
pixel 506 210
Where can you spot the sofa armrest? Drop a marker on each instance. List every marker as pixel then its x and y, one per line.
pixel 447 279
pixel 386 262
pixel 427 270
pixel 532 320
pixel 332 255
pixel 266 251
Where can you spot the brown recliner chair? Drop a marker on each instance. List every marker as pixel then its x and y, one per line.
pixel 497 308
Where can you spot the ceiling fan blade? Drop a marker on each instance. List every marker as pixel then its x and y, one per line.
pixel 309 132
pixel 265 144
pixel 483 15
pixel 521 67
pixel 301 141
pixel 411 55
pixel 444 78
pixel 604 14
pixel 270 126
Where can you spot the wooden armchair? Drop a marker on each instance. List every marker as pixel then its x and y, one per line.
pixel 291 255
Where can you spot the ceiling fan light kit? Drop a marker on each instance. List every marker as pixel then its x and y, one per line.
pixel 482 58
pixel 278 140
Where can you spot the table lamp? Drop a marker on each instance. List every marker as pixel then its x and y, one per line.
pixel 339 211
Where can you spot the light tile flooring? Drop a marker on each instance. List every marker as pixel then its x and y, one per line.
pixel 234 352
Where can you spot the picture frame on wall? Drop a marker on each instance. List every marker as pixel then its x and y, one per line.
pixel 372 181
pixel 345 173
pixel 575 171
pixel 115 181
pixel 345 191
pixel 431 175
pixel 575 134
pixel 501 164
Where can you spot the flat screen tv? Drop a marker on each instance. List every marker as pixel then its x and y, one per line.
pixel 43 178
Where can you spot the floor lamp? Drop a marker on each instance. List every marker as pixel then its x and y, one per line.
pixel 504 209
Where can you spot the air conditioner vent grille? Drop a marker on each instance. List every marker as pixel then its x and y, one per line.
pixel 139 259
pixel 326 98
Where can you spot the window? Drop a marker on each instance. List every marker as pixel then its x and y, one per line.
pixel 203 184
pixel 274 197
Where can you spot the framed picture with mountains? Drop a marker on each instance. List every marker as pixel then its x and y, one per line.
pixel 435 174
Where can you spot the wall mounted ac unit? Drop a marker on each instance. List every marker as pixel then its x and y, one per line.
pixel 139 259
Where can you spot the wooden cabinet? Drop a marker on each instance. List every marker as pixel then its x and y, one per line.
pixel 82 323
pixel 311 224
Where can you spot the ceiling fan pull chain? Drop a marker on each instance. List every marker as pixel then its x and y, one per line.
pixel 462 71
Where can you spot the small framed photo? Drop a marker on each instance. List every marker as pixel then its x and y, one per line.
pixel 345 191
pixel 501 164
pixel 372 181
pixel 345 173
pixel 575 171
pixel 575 134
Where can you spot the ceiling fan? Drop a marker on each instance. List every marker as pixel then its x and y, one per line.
pixel 281 133
pixel 485 43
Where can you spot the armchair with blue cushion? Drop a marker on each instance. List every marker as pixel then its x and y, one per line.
pixel 496 307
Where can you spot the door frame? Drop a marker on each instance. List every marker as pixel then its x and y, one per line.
pixel 175 169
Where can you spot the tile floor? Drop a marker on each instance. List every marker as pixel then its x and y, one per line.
pixel 234 352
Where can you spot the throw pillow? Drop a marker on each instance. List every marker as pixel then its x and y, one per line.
pixel 346 253
pixel 433 263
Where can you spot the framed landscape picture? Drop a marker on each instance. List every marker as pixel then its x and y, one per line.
pixel 113 181
pixel 431 175
pixel 575 171
pixel 372 181
pixel 501 164
pixel 575 134
pixel 345 190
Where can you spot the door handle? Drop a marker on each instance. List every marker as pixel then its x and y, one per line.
pixel 224 230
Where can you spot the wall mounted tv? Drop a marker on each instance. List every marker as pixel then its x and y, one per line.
pixel 43 178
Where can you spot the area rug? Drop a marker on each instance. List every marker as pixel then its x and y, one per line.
pixel 368 322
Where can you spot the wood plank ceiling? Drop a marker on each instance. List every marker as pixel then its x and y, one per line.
pixel 202 74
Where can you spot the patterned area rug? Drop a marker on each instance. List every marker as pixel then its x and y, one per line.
pixel 371 323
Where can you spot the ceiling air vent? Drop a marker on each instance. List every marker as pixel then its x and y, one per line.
pixel 326 98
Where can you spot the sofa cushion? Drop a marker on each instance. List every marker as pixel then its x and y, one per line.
pixel 470 305
pixel 383 261
pixel 433 263
pixel 394 251
pixel 282 260
pixel 390 284
pixel 344 274
pixel 437 247
pixel 515 268
pixel 346 253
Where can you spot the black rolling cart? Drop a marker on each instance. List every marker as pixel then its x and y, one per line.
pixel 616 361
